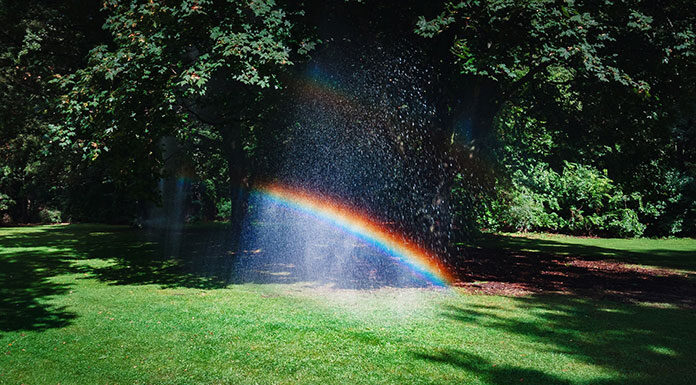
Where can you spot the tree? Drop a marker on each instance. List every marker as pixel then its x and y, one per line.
pixel 38 39
pixel 609 81
pixel 171 68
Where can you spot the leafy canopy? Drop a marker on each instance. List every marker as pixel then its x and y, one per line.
pixel 164 53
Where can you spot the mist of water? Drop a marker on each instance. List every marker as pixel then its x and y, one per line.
pixel 359 129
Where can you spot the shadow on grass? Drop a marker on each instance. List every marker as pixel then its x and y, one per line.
pixel 201 257
pixel 516 265
pixel 639 344
pixel 32 259
pixel 488 372
pixel 636 344
pixel 26 289
pixel 623 250
pixel 127 256
pixel 197 257
pixel 204 257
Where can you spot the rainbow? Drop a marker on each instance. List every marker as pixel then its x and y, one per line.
pixel 360 225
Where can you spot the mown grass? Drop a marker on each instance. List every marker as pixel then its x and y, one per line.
pixel 99 305
pixel 673 253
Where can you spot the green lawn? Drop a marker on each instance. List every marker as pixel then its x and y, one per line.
pixel 674 253
pixel 96 305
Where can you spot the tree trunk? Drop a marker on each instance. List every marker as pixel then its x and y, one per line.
pixel 476 111
pixel 475 105
pixel 237 171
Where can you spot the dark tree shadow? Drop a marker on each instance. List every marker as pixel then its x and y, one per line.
pixel 518 266
pixel 490 373
pixel 660 258
pixel 166 258
pixel 26 289
pixel 642 345
pixel 27 275
pixel 362 268
pixel 205 257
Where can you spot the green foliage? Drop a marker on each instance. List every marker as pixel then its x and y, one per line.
pixel 670 193
pixel 516 42
pixel 607 83
pixel 224 208
pixel 38 38
pixel 578 200
pixel 526 211
pixel 624 223
pixel 5 202
pixel 560 92
pixel 656 194
pixel 50 216
pixel 191 70
pixel 135 88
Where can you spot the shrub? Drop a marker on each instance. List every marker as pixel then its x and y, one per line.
pixel 624 223
pixel 580 199
pixel 526 211
pixel 5 202
pixel 224 209
pixel 47 215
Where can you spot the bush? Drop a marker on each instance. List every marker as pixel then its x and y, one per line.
pixel 526 211
pixel 47 215
pixel 580 200
pixel 224 209
pixel 624 223
pixel 583 188
pixel 5 202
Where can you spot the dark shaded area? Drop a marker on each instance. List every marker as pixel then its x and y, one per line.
pixel 25 287
pixel 206 257
pixel 646 345
pixel 362 270
pixel 193 257
pixel 518 266
pixel 491 373
pixel 672 259
pixel 27 277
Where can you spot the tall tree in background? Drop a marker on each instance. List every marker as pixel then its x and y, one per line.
pixel 38 39
pixel 612 83
pixel 187 68
pixel 559 93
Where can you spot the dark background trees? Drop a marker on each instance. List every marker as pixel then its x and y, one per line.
pixel 563 116
pixel 588 107
pixel 38 40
